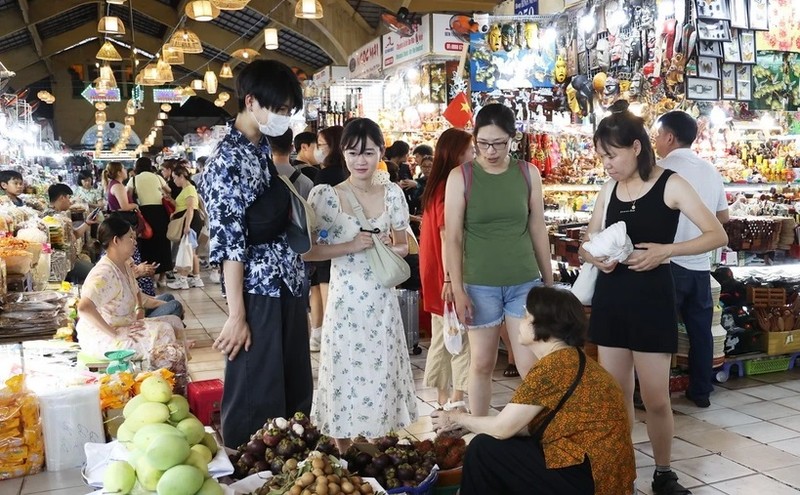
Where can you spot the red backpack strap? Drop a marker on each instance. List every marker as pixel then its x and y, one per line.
pixel 466 174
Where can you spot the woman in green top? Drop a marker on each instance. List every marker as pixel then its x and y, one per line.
pixel 496 247
pixel 187 207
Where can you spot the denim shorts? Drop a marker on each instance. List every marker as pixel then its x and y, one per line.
pixel 490 305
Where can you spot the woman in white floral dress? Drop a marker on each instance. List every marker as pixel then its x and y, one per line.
pixel 365 381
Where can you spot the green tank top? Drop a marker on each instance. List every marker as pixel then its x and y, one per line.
pixel 498 250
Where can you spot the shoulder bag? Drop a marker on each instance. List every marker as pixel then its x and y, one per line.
pixel 301 220
pixel 583 288
pixel 143 228
pixel 539 433
pixel 390 269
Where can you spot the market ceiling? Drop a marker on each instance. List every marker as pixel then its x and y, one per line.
pixel 33 32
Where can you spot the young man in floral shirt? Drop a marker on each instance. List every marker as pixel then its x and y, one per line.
pixel 265 338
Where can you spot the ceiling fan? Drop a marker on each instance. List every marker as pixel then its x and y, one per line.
pixel 401 23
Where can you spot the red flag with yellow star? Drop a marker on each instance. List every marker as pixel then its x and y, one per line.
pixel 458 112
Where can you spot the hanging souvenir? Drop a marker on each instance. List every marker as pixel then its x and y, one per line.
pixel 532 35
pixel 509 37
pixel 520 35
pixel 610 91
pixel 572 99
pixel 560 71
pixel 599 81
pixel 493 38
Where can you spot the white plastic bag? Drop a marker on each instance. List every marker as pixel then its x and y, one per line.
pixel 453 330
pixel 184 259
pixel 583 288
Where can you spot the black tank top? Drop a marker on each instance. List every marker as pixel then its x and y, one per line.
pixel 651 220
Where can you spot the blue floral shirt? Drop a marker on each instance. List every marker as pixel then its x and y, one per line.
pixel 236 174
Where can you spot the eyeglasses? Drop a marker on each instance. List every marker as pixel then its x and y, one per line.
pixel 499 146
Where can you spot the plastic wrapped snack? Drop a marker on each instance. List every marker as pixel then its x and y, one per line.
pixel 115 390
pixel 21 441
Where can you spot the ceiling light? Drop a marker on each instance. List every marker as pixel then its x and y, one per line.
pixel 171 55
pixel 197 85
pixel 224 96
pixel 164 72
pixel 189 91
pixel 100 106
pixel 219 103
pixel 245 54
pixel 186 41
pixel 308 9
pixel 159 123
pixel 225 72
pixel 210 82
pixel 230 4
pixel 116 2
pixel 166 107
pixel 163 115
pixel 201 10
pixel 130 120
pixel 108 52
pixel 271 39
pixel 100 117
pixel 111 25
pixel 150 75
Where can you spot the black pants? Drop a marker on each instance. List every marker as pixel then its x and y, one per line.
pixel 274 378
pixel 516 466
pixel 694 305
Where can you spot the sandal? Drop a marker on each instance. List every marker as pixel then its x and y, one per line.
pixel 511 371
pixel 453 406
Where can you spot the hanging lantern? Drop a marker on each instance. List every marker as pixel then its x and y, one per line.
pixel 130 120
pixel 230 4
pixel 111 25
pixel 164 72
pixel 308 9
pixel 245 54
pixel 108 52
pixel 189 91
pixel 210 82
pixel 186 41
pixel 150 75
pixel 224 96
pixel 271 39
pixel 197 85
pixel 171 55
pixel 201 10
pixel 159 123
pixel 163 115
pixel 100 117
pixel 219 103
pixel 107 75
pixel 100 106
pixel 166 107
pixel 226 72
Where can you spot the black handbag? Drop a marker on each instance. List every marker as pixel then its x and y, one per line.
pixel 128 216
pixel 268 216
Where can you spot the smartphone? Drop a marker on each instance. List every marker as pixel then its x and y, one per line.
pixel 94 213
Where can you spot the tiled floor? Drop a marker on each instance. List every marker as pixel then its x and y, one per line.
pixel 746 443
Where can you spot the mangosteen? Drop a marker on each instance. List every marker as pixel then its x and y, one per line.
pixel 257 447
pixel 420 474
pixel 301 419
pixel 281 424
pixel 361 460
pixel 405 472
pixel 390 473
pixel 370 471
pixel 387 441
pixel 247 460
pixel 394 455
pixel 285 448
pixel 298 444
pixel 261 466
pixel 325 445
pixel 413 457
pixel 351 453
pixel 234 458
pixel 271 437
pixel 382 461
pixel 311 435
pixel 360 439
pixel 392 483
pixel 276 466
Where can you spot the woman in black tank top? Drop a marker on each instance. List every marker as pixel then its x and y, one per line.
pixel 633 321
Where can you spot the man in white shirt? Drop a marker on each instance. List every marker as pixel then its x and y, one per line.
pixel 281 149
pixel 675 133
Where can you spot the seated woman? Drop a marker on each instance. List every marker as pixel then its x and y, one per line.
pixel 112 308
pixel 566 429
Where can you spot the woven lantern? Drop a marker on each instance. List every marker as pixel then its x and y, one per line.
pixel 130 120
pixel 226 72
pixel 164 72
pixel 188 91
pixel 245 54
pixel 230 4
pixel 219 103
pixel 198 85
pixel 210 82
pixel 108 52
pixel 201 10
pixel 111 25
pixel 186 41
pixel 308 9
pixel 171 55
pixel 166 107
pixel 271 39
pixel 224 96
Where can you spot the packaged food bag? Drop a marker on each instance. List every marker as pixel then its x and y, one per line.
pixel 21 441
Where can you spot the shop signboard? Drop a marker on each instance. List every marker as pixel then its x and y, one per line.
pixel 445 41
pixel 169 95
pixel 330 74
pixel 526 7
pixel 398 49
pixel 322 77
pixel 366 61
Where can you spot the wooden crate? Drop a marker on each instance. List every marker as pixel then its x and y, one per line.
pixel 777 343
pixel 765 297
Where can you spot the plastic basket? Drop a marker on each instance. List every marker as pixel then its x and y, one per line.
pixel 424 488
pixel 761 366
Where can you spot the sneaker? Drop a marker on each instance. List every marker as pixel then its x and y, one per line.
pixel 667 484
pixel 315 340
pixel 180 283
pixel 214 277
pixel 170 275
pixel 196 281
pixel 698 401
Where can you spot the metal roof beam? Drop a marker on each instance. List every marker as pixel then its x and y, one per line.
pixel 37 41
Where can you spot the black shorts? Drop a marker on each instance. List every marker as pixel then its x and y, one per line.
pixel 197 222
pixel 322 273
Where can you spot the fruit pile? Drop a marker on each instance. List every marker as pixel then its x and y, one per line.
pixel 449 450
pixel 319 474
pixel 394 462
pixel 280 440
pixel 169 447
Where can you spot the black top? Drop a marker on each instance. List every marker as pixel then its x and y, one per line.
pixel 174 189
pixel 331 176
pixel 650 220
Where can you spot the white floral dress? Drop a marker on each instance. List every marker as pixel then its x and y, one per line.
pixel 365 381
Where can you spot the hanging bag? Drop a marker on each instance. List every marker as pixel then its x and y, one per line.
pixel 453 330
pixel 390 269
pixel 583 288
pixel 184 258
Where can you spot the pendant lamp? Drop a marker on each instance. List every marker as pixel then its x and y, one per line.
pixel 171 55
pixel 164 72
pixel 226 72
pixel 210 81
pixel 188 91
pixel 130 120
pixel 224 96
pixel 163 116
pixel 230 4
pixel 271 39
pixel 166 107
pixel 151 75
pixel 197 85
pixel 245 54
pixel 100 117
pixel 201 10
pixel 108 52
pixel 308 9
pixel 219 103
pixel 116 2
pixel 100 106
pixel 186 41
pixel 111 25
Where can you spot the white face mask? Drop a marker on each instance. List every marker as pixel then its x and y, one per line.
pixel 276 125
pixel 319 155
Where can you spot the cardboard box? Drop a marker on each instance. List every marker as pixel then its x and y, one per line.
pixel 777 343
